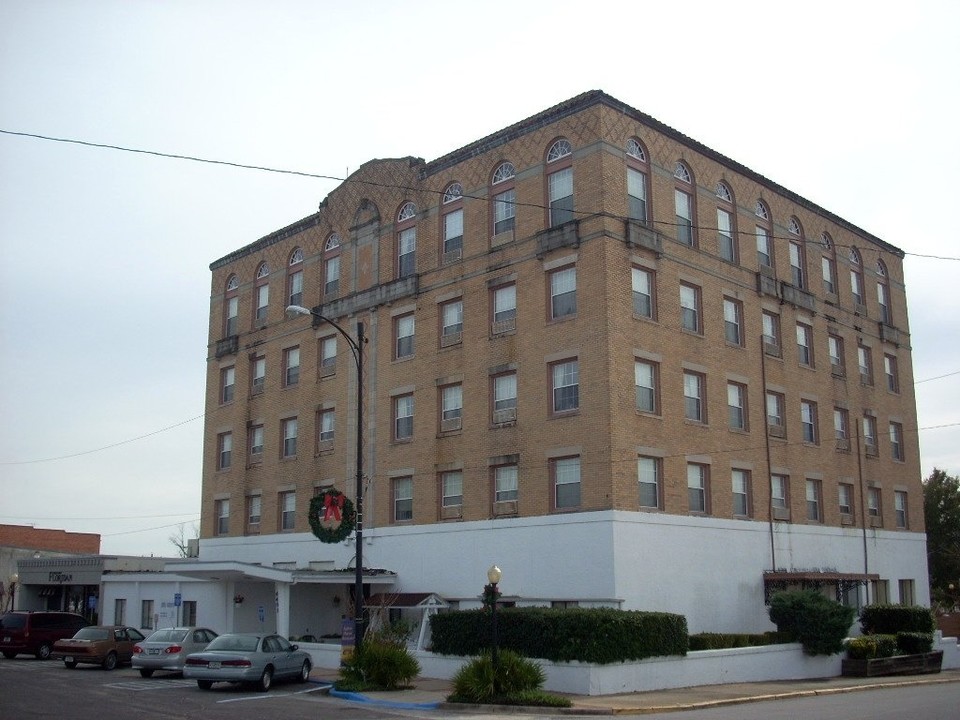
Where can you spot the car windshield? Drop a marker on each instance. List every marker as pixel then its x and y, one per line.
pixel 92 633
pixel 168 635
pixel 241 643
pixel 12 621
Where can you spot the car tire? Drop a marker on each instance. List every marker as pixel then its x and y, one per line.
pixel 43 652
pixel 204 684
pixel 304 672
pixel 9 655
pixel 70 664
pixel 110 661
pixel 266 679
pixel 146 673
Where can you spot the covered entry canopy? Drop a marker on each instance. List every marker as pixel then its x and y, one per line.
pixel 228 570
pixel 774 582
pixel 427 603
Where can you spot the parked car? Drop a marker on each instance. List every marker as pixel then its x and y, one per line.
pixel 167 649
pixel 253 659
pixel 106 645
pixel 36 632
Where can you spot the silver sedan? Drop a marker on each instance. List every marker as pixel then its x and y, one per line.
pixel 243 658
pixel 167 649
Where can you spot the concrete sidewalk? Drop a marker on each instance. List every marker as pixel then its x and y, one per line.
pixel 429 693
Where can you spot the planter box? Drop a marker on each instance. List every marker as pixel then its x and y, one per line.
pixel 897 665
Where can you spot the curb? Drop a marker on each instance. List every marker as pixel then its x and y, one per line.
pixel 361 698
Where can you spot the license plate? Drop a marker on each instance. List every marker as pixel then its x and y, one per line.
pixel 214 665
pixel 153 651
pixel 68 658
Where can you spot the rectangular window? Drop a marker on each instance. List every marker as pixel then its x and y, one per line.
pixel 291 366
pixel 227 384
pixel 643 287
pixel 813 501
pixel 504 303
pixel 504 398
pixel 258 375
pixel 331 277
pixel 884 303
pixel 835 349
pixel 328 355
pixel 288 511
pixel 779 487
pixel 725 240
pixel 254 511
pixel 188 613
pixel 870 435
pixel 453 232
pixel 880 590
pixel 255 444
pixel 826 267
pixel 648 476
pixel 805 345
pixel 326 427
pixel 890 370
pixel 403 417
pixel 764 252
pixel 504 211
pixel 845 495
pixel 645 380
pixel 120 611
pixel 856 286
pixel 566 482
pixel 775 424
pixel 694 394
pixel 797 274
pixel 288 428
pixel 771 333
pixel 900 509
pixel 566 386
pixel 697 487
pixel 233 308
pixel 402 499
pixel 404 329
pixel 841 428
pixel 737 405
pixel 808 421
pixel 683 204
pixel 407 252
pixel 222 508
pixel 561 196
pixel 146 615
pixel 295 281
pixel 908 594
pixel 865 363
pixel 741 492
pixel 873 503
pixel 452 487
pixel 733 321
pixel 690 308
pixel 263 301
pixel 224 450
pixel 563 293
pixel 451 319
pixel 896 441
pixel 451 407
pixel 637 194
pixel 505 482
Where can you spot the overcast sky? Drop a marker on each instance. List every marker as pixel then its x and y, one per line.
pixel 104 280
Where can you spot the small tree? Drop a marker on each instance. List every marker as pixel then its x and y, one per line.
pixel 941 513
pixel 179 539
pixel 819 623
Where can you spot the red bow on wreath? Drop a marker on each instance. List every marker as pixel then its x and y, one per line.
pixel 332 505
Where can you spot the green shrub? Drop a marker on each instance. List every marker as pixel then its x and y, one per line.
pixel 891 619
pixel 862 648
pixel 913 643
pixel 516 681
pixel 818 623
pixel 379 666
pixel 723 641
pixel 595 635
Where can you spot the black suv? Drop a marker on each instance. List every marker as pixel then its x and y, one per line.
pixel 35 633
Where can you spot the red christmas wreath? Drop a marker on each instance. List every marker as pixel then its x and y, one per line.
pixel 332 516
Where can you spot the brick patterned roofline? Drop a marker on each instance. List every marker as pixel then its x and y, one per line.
pixel 25 536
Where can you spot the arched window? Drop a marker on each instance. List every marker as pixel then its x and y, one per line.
pixel 683 204
pixel 261 295
pixel 407 240
pixel 764 230
pixel 798 257
pixel 504 198
pixel 828 264
pixel 856 277
pixel 231 307
pixel 727 244
pixel 331 267
pixel 295 278
pixel 883 293
pixel 451 219
pixel 638 173
pixel 560 183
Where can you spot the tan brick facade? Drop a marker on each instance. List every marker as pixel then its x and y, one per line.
pixel 605 432
pixel 25 536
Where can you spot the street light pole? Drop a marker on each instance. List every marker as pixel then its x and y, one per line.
pixel 356 348
pixel 491 594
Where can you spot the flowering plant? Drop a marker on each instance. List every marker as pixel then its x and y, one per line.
pixel 237 599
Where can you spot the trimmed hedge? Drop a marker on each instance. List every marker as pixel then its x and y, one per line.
pixel 594 635
pixel 818 623
pixel 891 619
pixel 867 647
pixel 723 641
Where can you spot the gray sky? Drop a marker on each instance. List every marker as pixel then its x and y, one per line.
pixel 104 280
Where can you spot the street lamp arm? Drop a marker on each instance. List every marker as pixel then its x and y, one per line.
pixel 354 346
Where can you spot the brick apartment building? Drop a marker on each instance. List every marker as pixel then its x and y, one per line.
pixel 625 368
